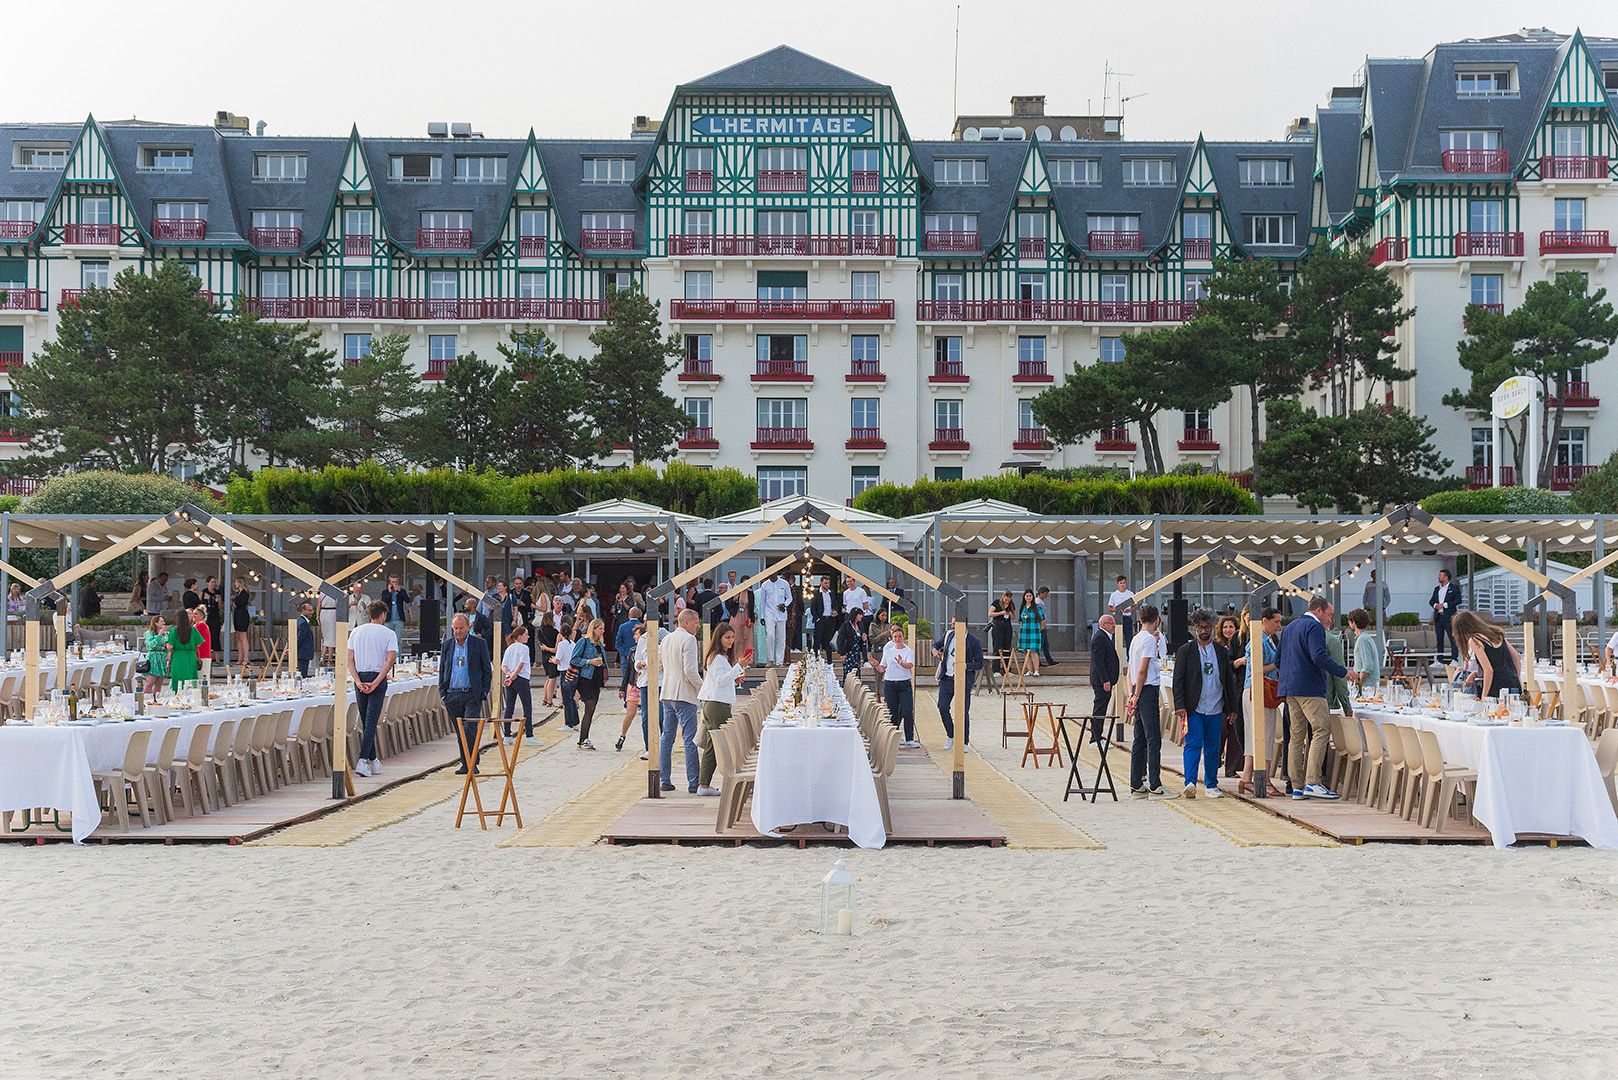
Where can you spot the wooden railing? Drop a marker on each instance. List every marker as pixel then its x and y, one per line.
pixel 1115 439
pixel 531 247
pixel 1476 161
pixel 1032 371
pixel 1198 439
pixel 376 307
pixel 948 371
pixel 783 180
pixel 780 309
pixel 1390 249
pixel 1124 240
pixel 948 438
pixel 698 438
pixel 950 239
pixel 862 182
pixel 607 239
pixel 1592 241
pixel 1196 249
pixel 794 438
pixel 77 233
pixel 781 370
pixel 1572 167
pixel 697 370
pixel 444 239
pixel 21 299
pixel 865 370
pixel 1472 244
pixel 17 229
pixel 357 244
pixel 1563 477
pixel 865 438
pixel 1031 247
pixel 1031 438
pixel 1055 310
pixel 1482 476
pixel 179 229
pixel 723 245
pixel 278 237
pixel 699 180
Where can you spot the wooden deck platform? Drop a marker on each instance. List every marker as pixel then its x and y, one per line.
pixel 918 794
pixel 290 805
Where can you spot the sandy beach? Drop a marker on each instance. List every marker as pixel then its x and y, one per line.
pixel 420 951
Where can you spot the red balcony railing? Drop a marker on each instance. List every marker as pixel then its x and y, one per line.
pixel 1196 249
pixel 1560 241
pixel 1031 247
pixel 1476 161
pixel 607 239
pixel 19 485
pixel 1473 244
pixel 1031 438
pixel 726 245
pixel 1115 439
pixel 1055 310
pixel 789 438
pixel 698 438
pixel 948 371
pixel 276 238
pixel 699 180
pixel 784 180
pixel 69 297
pixel 863 182
pixel 531 247
pixel 865 371
pixel 781 371
pixel 11 359
pixel 948 438
pixel 357 244
pixel 1563 477
pixel 1578 396
pixel 90 234
pixel 444 239
pixel 1125 240
pixel 780 309
pixel 17 229
pixel 951 240
pixel 1390 249
pixel 1031 371
pixel 1568 167
pixel 7 435
pixel 1482 476
pixel 698 371
pixel 21 299
pixel 369 307
pixel 1199 439
pixel 865 438
pixel 1466 318
pixel 179 229
pixel 436 369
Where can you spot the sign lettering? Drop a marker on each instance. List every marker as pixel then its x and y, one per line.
pixel 1513 396
pixel 789 126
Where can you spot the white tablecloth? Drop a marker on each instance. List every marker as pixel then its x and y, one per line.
pixel 1530 779
pixel 808 774
pixel 50 766
pixel 98 663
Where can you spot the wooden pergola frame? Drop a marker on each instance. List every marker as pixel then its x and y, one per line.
pixel 1401 521
pixel 806 515
pixel 197 518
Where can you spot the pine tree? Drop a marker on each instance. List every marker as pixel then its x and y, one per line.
pixel 626 404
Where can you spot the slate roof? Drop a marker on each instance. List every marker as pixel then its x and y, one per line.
pixel 570 196
pixel 1157 206
pixel 38 184
pixel 1225 159
pixel 1338 132
pixel 401 202
pixel 781 68
pixel 206 181
pixel 315 195
pixel 991 202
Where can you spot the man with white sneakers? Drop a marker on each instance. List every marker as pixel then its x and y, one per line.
pixel 1206 695
pixel 372 649
pixel 777 599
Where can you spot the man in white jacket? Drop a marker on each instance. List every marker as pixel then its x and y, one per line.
pixel 679 682
pixel 777 599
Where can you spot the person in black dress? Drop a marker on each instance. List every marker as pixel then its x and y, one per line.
pixel 240 620
pixel 1000 615
pixel 1498 662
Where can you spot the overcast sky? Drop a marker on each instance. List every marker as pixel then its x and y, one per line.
pixel 1227 68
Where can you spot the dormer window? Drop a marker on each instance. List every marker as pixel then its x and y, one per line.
pixel 961 171
pixel 1266 172
pixel 40 156
pixel 480 169
pixel 1609 77
pixel 609 170
pixel 1075 172
pixel 1486 80
pixel 166 158
pixel 414 168
pixel 280 166
pixel 1148 172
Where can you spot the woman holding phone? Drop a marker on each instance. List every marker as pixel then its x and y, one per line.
pixel 717 696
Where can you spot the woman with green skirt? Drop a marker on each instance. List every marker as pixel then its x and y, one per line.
pixel 182 648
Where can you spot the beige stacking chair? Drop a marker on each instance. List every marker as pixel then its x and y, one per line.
pixel 220 769
pixel 1415 770
pixel 1396 766
pixel 301 747
pixel 1607 760
pixel 1349 766
pixel 1374 765
pixel 242 756
pixel 129 782
pixel 736 782
pixel 191 783
pixel 1443 783
pixel 884 757
pixel 280 756
pixel 158 778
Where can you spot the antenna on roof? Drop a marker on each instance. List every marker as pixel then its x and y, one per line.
pixel 1107 73
pixel 955 87
pixel 1123 106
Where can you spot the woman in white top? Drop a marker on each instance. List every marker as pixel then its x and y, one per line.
pixel 716 697
pixel 516 671
pixel 896 665
pixel 635 692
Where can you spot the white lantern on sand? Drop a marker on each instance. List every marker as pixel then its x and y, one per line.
pixel 837 901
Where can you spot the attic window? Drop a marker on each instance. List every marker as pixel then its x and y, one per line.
pixel 1148 172
pixel 166 158
pixel 280 166
pixel 40 156
pixel 1486 80
pixel 414 168
pixel 1266 172
pixel 961 171
pixel 1609 77
pixel 609 170
pixel 480 169
pixel 1075 172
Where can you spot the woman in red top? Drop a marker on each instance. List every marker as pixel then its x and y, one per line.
pixel 199 623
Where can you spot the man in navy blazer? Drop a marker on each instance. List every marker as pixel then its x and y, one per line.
pixel 464 673
pixel 306 639
pixel 1445 599
pixel 1103 673
pixel 1305 668
pixel 944 651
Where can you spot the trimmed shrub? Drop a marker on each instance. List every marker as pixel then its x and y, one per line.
pixel 1404 619
pixel 1044 493
pixel 1501 500
pixel 1597 490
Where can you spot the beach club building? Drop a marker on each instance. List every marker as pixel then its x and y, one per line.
pixel 856 304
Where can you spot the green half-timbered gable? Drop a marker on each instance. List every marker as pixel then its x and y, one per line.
pixel 89 184
pixel 1577 119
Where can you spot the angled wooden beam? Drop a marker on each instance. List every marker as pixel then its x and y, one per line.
pixel 101 558
pixel 921 574
pixel 740 547
pixel 864 579
pixel 27 579
pixel 439 572
pixel 743 586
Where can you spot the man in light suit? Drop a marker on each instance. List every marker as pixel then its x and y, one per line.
pixel 777 599
pixel 464 673
pixel 679 682
pixel 1445 599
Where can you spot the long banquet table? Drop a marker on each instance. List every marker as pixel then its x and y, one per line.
pixel 1540 780
pixel 811 770
pixel 51 765
pixel 99 664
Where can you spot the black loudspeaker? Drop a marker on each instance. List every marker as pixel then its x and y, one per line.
pixel 1179 622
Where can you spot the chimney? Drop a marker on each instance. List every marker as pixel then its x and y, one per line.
pixel 437 129
pixel 1027 104
pixel 229 123
pixel 1301 130
pixel 258 129
pixel 643 127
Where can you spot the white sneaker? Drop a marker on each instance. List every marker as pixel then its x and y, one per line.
pixel 1033 674
pixel 376 767
pixel 1191 791
pixel 587 745
pixel 1213 793
pixel 911 745
pixel 509 739
pixel 949 744
pixel 706 791
pixel 643 755
pixel 362 768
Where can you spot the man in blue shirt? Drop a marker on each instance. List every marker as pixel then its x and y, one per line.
pixel 623 643
pixel 1206 694
pixel 464 672
pixel 1305 666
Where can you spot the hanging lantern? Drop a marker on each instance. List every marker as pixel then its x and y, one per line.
pixel 837 901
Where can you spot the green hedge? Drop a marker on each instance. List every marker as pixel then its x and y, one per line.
pixel 1597 491
pixel 1501 500
pixel 371 488
pixel 1044 494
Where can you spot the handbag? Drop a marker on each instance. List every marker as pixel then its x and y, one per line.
pixel 1272 693
pixel 143 666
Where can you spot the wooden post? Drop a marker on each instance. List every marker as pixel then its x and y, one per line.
pixel 292 648
pixel 342 782
pixel 1572 692
pixel 653 720
pixel 499 687
pixel 910 636
pixel 60 625
pixel 30 665
pixel 1255 704
pixel 958 709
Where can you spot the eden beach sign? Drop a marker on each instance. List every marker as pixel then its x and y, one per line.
pixel 791 126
